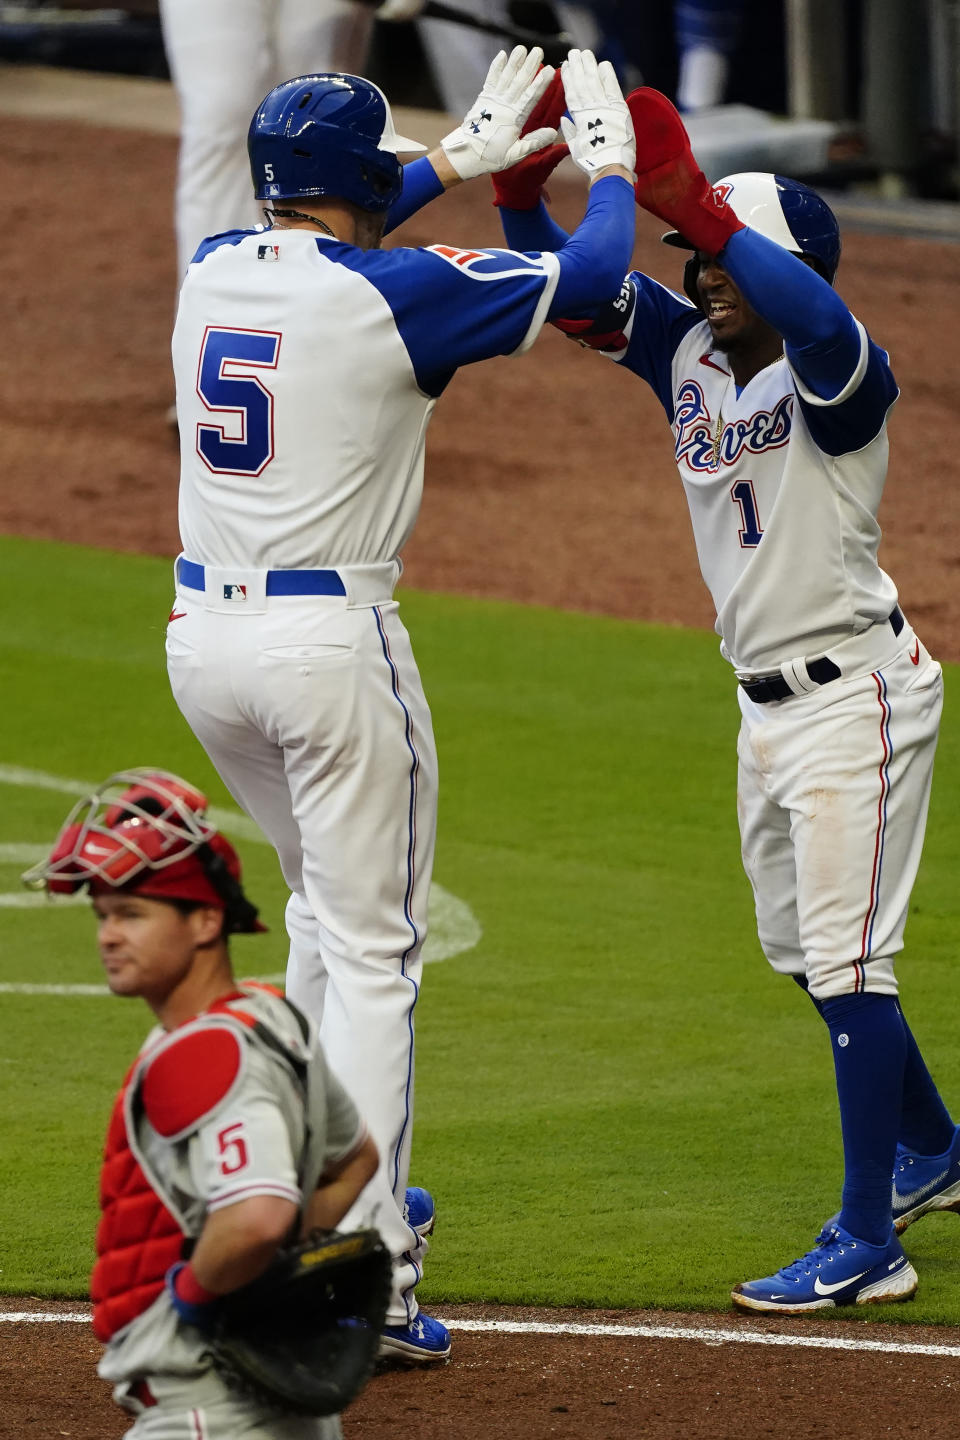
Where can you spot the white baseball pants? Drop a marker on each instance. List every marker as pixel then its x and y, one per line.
pixel 224 56
pixel 313 713
pixel 833 792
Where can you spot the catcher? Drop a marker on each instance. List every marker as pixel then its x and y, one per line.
pixel 226 1307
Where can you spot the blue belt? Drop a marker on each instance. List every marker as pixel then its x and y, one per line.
pixel 279 582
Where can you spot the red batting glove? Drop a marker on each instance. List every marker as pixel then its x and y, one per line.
pixel 670 183
pixel 520 187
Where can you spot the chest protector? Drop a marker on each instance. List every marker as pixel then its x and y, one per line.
pixel 137 1239
pixel 176 1082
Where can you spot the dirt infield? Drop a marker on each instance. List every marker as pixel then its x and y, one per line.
pixel 563 1387
pixel 549 479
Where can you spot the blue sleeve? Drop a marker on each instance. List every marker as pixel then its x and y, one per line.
pixel 818 329
pixel 590 257
pixel 713 23
pixel 532 229
pixel 832 357
pixel 421 184
pixel 453 307
pixel 656 320
pixel 597 255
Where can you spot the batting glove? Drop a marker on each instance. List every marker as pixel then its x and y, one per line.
pixel 521 187
pixel 399 9
pixel 599 130
pixel 489 138
pixel 670 183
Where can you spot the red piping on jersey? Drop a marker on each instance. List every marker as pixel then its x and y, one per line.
pixel 866 940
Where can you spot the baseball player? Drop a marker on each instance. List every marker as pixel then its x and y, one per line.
pixel 308 363
pixel 223 56
pixel 706 33
pixel 778 400
pixel 229 1133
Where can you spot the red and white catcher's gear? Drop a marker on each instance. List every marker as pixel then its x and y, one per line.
pixel 137 1239
pixel 137 820
pixel 147 830
pixel 177 1084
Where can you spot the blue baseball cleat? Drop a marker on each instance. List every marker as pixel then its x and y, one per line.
pixel 923 1183
pixel 419 1210
pixel 421 1342
pixel 839 1270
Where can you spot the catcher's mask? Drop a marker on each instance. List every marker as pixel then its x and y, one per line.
pixel 146 831
pixel 327 134
pixel 785 211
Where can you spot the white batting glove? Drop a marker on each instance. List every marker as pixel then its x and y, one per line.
pixel 600 132
pixel 489 138
pixel 399 9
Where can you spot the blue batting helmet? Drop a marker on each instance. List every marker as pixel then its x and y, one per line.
pixel 785 211
pixel 328 134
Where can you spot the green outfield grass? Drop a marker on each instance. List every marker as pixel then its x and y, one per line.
pixel 617 1103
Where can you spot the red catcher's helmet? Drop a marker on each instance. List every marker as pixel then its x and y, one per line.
pixel 146 830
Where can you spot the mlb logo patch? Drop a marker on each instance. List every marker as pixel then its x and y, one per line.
pixel 235 592
pixel 268 252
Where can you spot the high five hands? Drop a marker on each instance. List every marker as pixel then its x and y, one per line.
pixel 513 122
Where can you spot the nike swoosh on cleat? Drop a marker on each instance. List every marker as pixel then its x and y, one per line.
pixel 822 1289
pixel 903 1201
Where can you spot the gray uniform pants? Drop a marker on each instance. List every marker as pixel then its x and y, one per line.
pixel 207 1410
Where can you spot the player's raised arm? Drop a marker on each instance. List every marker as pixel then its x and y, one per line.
pixel 794 295
pixel 495 133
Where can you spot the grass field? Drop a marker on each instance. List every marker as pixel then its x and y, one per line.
pixel 617 1103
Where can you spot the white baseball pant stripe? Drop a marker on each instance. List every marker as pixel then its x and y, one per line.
pixel 833 791
pixel 313 712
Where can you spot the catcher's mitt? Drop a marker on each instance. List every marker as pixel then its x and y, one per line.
pixel 305 1335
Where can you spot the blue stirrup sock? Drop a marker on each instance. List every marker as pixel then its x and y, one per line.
pixel 926 1125
pixel 869 1043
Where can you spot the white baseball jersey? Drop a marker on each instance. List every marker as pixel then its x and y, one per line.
pixel 783 487
pixel 307 371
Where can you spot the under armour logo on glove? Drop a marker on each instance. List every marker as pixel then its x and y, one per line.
pixel 475 124
pixel 596 139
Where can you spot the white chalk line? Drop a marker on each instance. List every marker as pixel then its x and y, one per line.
pixel 706 1335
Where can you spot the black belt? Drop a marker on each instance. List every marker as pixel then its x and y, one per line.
pixel 821 672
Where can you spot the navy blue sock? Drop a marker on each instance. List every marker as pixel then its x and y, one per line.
pixel 925 1123
pixel 869 1052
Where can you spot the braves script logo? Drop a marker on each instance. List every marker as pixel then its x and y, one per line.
pixel 700 448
